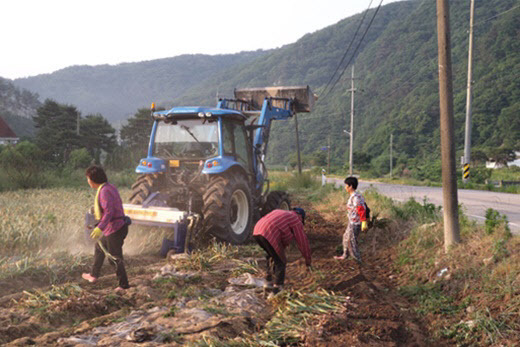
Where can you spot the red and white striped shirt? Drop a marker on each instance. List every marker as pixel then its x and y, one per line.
pixel 279 228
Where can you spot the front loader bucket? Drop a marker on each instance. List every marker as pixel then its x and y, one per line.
pixel 302 96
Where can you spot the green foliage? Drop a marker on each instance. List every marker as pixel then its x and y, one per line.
pixel 495 219
pixel 479 174
pixel 119 90
pixel 56 131
pixel 294 182
pixel 431 299
pixel 136 133
pixel 21 163
pixel 79 159
pixel 397 66
pixel 501 155
pixel 97 135
pixel 421 213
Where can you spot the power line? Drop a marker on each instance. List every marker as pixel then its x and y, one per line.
pixel 412 14
pixel 350 45
pixel 501 13
pixel 433 61
pixel 357 48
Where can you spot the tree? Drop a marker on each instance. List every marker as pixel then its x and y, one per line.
pixel 478 156
pixel 136 134
pixel 318 158
pixel 21 163
pixel 501 155
pixel 509 125
pixel 56 135
pixel 97 134
pixel 79 158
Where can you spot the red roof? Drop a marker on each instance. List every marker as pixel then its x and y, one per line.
pixel 5 131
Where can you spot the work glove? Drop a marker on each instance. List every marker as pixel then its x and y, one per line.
pixel 96 233
pixel 364 225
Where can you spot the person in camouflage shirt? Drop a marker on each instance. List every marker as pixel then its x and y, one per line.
pixel 356 210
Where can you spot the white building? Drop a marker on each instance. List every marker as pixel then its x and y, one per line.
pixel 7 136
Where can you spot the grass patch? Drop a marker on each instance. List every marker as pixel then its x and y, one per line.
pixel 469 291
pixel 430 299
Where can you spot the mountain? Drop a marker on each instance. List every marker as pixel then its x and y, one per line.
pixel 17 107
pixel 396 81
pixel 118 91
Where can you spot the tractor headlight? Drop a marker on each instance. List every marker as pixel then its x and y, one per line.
pixel 208 114
pixel 201 114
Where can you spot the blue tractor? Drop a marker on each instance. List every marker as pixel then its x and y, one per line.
pixel 208 163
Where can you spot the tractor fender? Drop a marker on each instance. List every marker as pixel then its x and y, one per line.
pixel 151 165
pixel 221 165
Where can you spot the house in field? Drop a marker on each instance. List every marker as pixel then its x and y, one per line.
pixel 7 135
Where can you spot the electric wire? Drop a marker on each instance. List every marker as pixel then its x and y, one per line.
pixel 355 51
pixel 497 15
pixel 384 97
pixel 348 48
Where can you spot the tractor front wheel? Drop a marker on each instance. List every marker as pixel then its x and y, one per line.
pixel 228 208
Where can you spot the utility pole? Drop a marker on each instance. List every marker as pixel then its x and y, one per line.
pixel 449 179
pixel 352 90
pixel 328 156
pixel 467 139
pixel 77 125
pixel 298 144
pixel 391 145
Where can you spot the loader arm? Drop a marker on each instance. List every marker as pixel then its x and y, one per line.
pixel 261 139
pixel 275 103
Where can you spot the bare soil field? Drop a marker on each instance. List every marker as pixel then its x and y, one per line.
pixel 210 299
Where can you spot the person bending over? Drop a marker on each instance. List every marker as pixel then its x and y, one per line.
pixel 274 232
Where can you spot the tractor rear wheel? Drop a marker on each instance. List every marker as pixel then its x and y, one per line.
pixel 276 200
pixel 228 208
pixel 143 187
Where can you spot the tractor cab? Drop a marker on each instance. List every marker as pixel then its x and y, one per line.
pixel 210 139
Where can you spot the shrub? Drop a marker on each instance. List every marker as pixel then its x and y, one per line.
pixel 427 212
pixel 495 219
pixel 79 159
pixel 22 164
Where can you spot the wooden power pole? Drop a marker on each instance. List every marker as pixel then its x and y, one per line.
pixel 298 144
pixel 350 157
pixel 328 155
pixel 449 178
pixel 391 154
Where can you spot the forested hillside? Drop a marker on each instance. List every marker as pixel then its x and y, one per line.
pixel 17 107
pixel 118 91
pixel 396 81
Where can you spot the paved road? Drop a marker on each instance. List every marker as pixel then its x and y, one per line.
pixel 475 202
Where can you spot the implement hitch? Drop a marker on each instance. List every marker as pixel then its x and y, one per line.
pixel 180 226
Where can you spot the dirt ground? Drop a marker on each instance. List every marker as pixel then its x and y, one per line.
pixel 171 304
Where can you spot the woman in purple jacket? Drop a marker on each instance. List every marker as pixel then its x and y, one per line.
pixel 111 230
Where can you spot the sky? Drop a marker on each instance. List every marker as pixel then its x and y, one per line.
pixel 42 36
